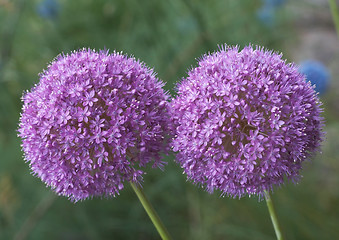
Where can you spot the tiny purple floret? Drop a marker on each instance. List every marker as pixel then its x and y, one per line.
pixel 94 121
pixel 245 120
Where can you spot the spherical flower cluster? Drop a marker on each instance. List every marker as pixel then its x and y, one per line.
pixel 94 121
pixel 245 120
pixel 317 74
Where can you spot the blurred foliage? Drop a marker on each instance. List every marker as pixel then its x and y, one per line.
pixel 169 36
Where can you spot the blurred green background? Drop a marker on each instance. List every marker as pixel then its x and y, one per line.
pixel 169 36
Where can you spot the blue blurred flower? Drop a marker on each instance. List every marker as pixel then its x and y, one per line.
pixel 186 25
pixel 317 74
pixel 274 3
pixel 266 15
pixel 48 9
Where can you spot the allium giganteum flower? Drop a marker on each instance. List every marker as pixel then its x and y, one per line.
pixel 94 121
pixel 245 120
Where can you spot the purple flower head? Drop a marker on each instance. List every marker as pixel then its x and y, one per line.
pixel 94 121
pixel 245 120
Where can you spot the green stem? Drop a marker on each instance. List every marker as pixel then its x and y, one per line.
pixel 273 215
pixel 335 14
pixel 151 212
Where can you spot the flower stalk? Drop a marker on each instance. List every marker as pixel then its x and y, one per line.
pixel 335 14
pixel 273 215
pixel 151 212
